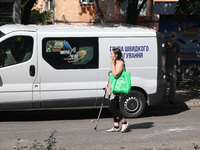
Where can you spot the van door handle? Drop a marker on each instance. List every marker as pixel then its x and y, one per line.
pixel 32 70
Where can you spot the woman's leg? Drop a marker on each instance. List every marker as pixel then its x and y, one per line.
pixel 117 116
pixel 115 110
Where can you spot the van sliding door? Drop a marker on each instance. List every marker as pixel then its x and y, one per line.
pixel 69 71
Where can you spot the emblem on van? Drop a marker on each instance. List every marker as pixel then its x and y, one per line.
pixel 71 53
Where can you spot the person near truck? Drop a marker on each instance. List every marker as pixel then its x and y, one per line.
pixel 117 64
pixel 172 65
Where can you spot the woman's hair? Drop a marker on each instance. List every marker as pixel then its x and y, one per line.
pixel 118 52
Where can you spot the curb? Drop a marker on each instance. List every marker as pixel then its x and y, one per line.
pixel 189 98
pixel 184 105
pixel 193 104
pixel 184 99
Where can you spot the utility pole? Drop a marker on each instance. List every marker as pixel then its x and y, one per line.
pixel 53 13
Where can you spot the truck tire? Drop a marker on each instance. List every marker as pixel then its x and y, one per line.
pixel 132 104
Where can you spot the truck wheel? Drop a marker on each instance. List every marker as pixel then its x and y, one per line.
pixel 132 104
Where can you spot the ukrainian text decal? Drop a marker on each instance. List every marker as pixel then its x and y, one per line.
pixel 132 51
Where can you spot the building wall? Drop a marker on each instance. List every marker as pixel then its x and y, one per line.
pixel 111 11
pixel 40 5
pixel 72 12
pixel 10 11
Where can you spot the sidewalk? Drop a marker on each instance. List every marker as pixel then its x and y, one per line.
pixel 190 98
pixel 184 98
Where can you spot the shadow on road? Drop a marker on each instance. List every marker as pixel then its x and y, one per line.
pixel 165 110
pixel 184 96
pixel 47 115
pixel 145 125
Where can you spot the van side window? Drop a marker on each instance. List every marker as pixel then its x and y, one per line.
pixel 71 53
pixel 15 50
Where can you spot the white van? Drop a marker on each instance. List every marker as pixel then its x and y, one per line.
pixel 58 66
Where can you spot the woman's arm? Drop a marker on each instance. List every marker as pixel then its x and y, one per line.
pixel 116 71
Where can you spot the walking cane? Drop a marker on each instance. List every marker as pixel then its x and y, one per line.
pixel 99 112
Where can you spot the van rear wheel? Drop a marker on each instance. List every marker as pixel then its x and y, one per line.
pixel 132 104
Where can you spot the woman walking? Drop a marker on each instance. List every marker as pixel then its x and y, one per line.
pixel 117 64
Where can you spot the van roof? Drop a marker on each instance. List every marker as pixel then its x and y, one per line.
pixel 98 30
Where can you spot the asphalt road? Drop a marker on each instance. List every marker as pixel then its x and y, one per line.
pixel 157 129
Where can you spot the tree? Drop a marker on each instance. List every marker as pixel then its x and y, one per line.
pixel 34 16
pixel 99 14
pixel 187 8
pixel 133 10
pixel 27 5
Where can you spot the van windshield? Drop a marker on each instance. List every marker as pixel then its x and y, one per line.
pixel 1 34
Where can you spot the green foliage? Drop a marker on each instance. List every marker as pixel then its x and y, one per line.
pixel 187 8
pixel 40 18
pixel 36 17
pixel 23 2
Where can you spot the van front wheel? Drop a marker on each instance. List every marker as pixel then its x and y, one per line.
pixel 132 104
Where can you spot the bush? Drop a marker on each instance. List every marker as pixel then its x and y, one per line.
pixel 50 144
pixel 40 18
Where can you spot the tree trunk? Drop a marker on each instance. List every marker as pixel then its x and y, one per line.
pixel 99 14
pixel 27 11
pixel 133 11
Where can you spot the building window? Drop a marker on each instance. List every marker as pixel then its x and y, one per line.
pixel 48 5
pixel 6 12
pixel 71 53
pixel 87 1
